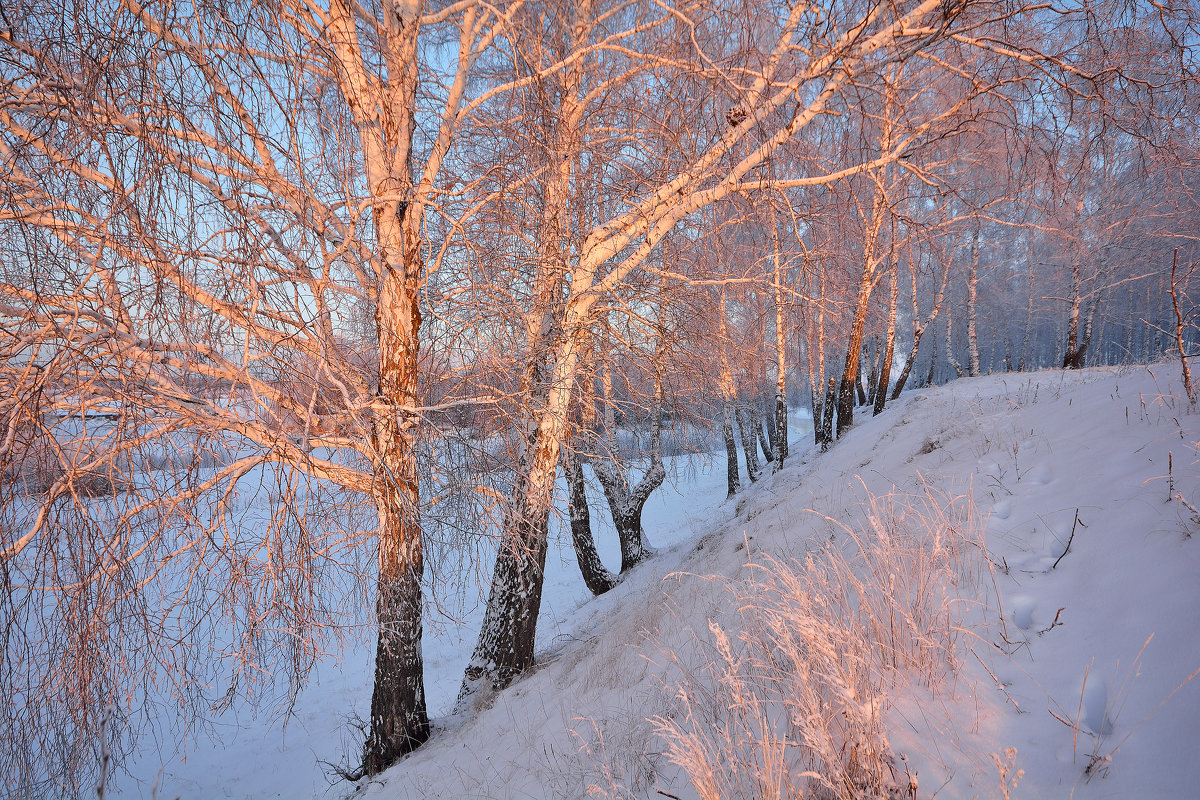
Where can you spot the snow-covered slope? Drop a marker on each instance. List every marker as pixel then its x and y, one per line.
pixel 1070 687
pixel 1078 630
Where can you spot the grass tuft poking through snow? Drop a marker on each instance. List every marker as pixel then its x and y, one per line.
pixel 791 700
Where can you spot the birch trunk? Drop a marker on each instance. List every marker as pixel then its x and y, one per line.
pixel 596 576
pixel 779 443
pixel 1026 339
pixel 399 721
pixel 764 433
pixel 731 457
pixel 1071 357
pixel 950 359
pixel 972 298
pixel 625 502
pixel 506 640
pixel 749 444
pixel 729 398
pixel 827 416
pixel 885 371
pixel 846 392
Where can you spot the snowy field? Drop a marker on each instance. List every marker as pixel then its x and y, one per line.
pixel 1074 627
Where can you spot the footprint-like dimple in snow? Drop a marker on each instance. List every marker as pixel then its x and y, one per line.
pixel 1039 475
pixel 1022 607
pixel 1095 706
pixel 1038 564
pixel 1002 510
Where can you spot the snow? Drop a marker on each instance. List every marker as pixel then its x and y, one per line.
pixel 1078 657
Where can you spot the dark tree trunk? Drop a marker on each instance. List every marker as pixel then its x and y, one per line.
pixel 781 422
pixel 845 405
pixel 1023 361
pixel 827 416
pixel 626 504
pixel 597 578
pixel 506 640
pixel 818 416
pixel 912 357
pixel 950 358
pixel 399 722
pixel 749 445
pixel 765 437
pixel 731 456
pixel 932 360
pixel 873 379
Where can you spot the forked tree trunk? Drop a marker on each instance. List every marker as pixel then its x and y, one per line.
pixel 1089 325
pixel 595 575
pixel 626 502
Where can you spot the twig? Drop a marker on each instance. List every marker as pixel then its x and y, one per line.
pixel 1054 624
pixel 999 685
pixel 1187 505
pixel 1076 523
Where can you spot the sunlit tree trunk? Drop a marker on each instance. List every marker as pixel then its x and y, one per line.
pixel 399 721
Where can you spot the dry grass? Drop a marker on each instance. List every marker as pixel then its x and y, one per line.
pixel 790 698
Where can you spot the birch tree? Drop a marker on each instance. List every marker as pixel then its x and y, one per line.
pixel 215 220
pixel 749 91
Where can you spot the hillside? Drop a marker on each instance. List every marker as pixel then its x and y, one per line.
pixel 1089 647
pixel 1073 655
